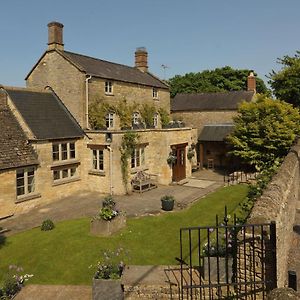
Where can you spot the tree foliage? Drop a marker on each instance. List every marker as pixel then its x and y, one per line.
pixel 264 131
pixel 218 80
pixel 286 82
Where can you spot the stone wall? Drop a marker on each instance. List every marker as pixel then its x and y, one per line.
pixel 278 203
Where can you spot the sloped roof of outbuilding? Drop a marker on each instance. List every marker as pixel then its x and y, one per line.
pixel 210 101
pixel 45 114
pixel 14 149
pixel 215 132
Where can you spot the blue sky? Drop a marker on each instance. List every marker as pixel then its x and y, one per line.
pixel 186 35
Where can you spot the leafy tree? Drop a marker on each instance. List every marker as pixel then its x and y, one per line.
pixel 264 132
pixel 218 80
pixel 286 82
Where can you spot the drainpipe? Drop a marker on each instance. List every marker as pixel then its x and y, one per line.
pixel 87 100
pixel 110 170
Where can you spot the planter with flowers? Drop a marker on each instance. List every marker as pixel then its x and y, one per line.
pixel 171 160
pixel 107 278
pixel 109 220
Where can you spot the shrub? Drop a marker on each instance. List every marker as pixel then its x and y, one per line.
pixel 47 225
pixel 107 214
pixel 167 198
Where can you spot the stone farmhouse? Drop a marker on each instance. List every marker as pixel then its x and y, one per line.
pixel 58 150
pixel 212 115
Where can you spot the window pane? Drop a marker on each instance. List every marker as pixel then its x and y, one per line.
pixel 73 172
pixel 20 182
pixel 101 164
pixel 65 173
pixel 55 152
pixel 72 150
pixel 20 191
pixel 95 159
pixel 142 156
pixel 55 175
pixel 20 173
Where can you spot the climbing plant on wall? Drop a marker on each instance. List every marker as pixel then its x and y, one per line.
pixel 129 143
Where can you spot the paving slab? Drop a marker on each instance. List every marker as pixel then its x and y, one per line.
pixel 55 292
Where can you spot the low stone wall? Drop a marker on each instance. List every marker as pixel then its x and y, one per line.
pixel 278 203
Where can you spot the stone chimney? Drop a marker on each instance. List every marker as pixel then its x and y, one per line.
pixel 251 82
pixel 55 36
pixel 141 59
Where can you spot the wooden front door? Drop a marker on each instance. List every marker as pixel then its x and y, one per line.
pixel 179 165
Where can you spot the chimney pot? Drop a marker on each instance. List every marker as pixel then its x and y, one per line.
pixel 55 36
pixel 251 82
pixel 141 59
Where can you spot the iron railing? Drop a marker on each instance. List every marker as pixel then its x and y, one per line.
pixel 227 260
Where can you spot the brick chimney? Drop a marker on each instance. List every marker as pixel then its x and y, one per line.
pixel 251 82
pixel 141 59
pixel 55 36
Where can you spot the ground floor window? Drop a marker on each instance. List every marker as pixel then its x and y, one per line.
pixel 138 157
pixel 25 181
pixel 64 173
pixel 98 160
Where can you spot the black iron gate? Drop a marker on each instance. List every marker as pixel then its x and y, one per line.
pixel 228 260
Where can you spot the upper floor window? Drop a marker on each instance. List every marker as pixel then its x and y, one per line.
pixel 155 120
pixel 98 160
pixel 108 87
pixel 63 151
pixel 109 120
pixel 138 157
pixel 135 118
pixel 25 181
pixel 155 93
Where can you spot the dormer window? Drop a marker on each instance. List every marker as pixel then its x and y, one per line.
pixel 108 87
pixel 109 118
pixel 155 93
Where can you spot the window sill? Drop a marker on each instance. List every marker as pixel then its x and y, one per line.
pixel 109 94
pixel 156 99
pixel 97 173
pixel 138 169
pixel 65 163
pixel 65 180
pixel 27 197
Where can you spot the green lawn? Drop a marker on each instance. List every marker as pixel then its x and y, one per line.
pixel 63 255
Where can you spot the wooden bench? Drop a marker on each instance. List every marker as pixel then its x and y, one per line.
pixel 143 182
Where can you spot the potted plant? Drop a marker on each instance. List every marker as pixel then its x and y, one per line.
pixel 106 280
pixel 171 158
pixel 109 220
pixel 167 202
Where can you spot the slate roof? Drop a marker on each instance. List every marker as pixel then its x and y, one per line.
pixel 45 114
pixel 109 70
pixel 210 101
pixel 215 132
pixel 14 150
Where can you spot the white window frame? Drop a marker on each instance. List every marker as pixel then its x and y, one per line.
pixel 155 120
pixel 138 157
pixel 97 159
pixel 29 187
pixel 109 120
pixel 135 118
pixel 155 93
pixel 108 87
pixel 63 151
pixel 64 173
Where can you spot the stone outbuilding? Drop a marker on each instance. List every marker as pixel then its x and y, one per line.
pixel 211 114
